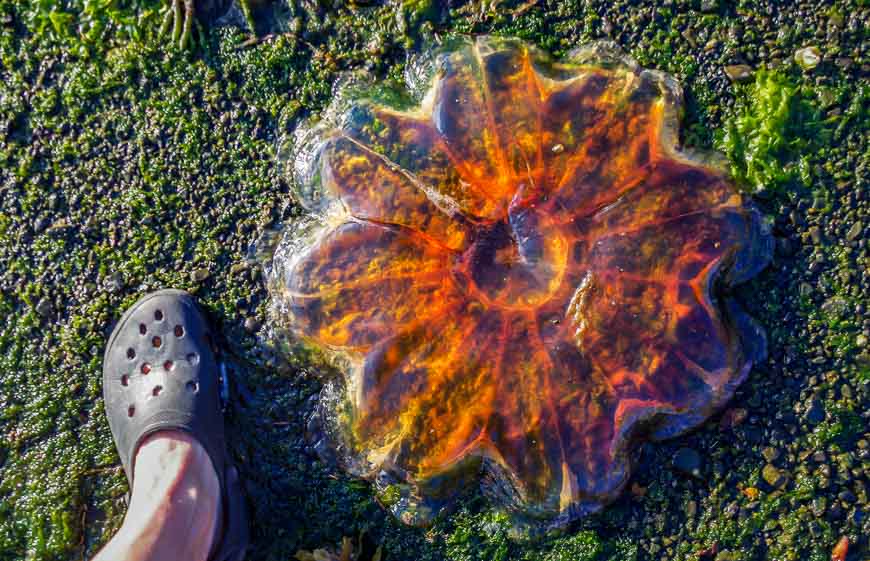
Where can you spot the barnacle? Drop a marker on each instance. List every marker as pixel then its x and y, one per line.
pixel 524 277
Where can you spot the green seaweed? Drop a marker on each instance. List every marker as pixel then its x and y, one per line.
pixel 772 134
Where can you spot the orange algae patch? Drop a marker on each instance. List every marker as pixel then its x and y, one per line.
pixel 522 278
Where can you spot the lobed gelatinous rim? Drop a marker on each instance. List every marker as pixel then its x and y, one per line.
pixel 525 275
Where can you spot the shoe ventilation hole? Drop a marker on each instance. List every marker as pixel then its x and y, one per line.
pixel 142 329
pixel 193 359
pixel 168 365
pixel 193 386
pixel 125 380
pixel 158 315
pixel 156 342
pixel 131 410
pixel 146 368
pixel 179 331
pixel 131 354
pixel 156 391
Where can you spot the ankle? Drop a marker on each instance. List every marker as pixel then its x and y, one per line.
pixel 175 506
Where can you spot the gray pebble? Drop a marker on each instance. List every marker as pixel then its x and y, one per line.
pixel 44 307
pixel 199 275
pixel 738 73
pixel 252 324
pixel 772 476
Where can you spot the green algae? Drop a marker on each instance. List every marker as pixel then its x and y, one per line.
pixel 770 138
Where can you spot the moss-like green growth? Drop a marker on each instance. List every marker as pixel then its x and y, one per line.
pixel 583 546
pixel 769 138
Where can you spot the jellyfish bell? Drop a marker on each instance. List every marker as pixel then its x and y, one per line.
pixel 521 278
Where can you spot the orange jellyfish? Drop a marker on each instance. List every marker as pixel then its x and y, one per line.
pixel 523 277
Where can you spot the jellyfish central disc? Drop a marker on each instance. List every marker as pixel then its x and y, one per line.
pixel 513 264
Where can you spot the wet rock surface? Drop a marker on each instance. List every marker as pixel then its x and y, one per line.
pixel 127 169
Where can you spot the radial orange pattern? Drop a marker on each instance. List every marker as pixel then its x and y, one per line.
pixel 522 275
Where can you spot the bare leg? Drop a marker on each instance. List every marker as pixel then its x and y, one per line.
pixel 175 505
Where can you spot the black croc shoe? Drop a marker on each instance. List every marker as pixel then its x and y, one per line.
pixel 160 373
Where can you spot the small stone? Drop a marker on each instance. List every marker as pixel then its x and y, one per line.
pixel 687 461
pixel 557 149
pixel 847 496
pixel 44 307
pixel 854 231
pixel 709 5
pixel 816 235
pixel 731 509
pixel 199 275
pixel 114 283
pixel 861 340
pixel 772 476
pixel 240 267
pixel 738 73
pixel 846 391
pixel 805 289
pixel 816 413
pixel 770 454
pixel 252 324
pixel 808 57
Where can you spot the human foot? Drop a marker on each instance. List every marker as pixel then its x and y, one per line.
pixel 175 507
pixel 160 374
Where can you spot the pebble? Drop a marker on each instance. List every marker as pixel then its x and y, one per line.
pixel 738 73
pixel 854 231
pixel 847 496
pixel 731 509
pixel 44 307
pixel 252 324
pixel 691 509
pixel 805 289
pixel 816 413
pixel 808 57
pixel 770 454
pixel 199 275
pixel 772 476
pixel 114 283
pixel 240 267
pixel 687 461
